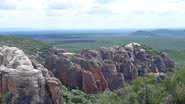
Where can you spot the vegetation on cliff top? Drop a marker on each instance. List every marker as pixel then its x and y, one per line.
pixel 33 48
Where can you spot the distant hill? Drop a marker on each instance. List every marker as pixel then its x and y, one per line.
pixel 159 32
pixel 142 33
pixel 169 32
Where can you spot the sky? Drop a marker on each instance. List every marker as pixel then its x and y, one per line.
pixel 92 14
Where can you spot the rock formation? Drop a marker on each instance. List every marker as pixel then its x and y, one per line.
pixel 107 68
pixel 25 82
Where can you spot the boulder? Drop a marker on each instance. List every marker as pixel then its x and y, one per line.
pixel 81 61
pixel 51 62
pixel 159 63
pixel 91 54
pixel 140 54
pixel 107 53
pixel 167 60
pixel 121 55
pixel 132 45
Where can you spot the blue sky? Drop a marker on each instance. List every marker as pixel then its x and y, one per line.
pixel 92 14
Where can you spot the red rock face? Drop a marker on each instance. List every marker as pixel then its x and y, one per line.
pixel 71 77
pixel 100 80
pixel 88 83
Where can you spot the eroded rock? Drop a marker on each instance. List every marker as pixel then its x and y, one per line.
pixel 95 71
pixel 23 83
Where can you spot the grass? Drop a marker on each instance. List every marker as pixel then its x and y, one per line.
pixel 30 46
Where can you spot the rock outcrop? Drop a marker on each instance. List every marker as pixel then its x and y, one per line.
pixel 115 80
pixel 25 82
pixel 107 68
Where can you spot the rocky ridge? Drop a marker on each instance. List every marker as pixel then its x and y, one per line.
pixel 110 68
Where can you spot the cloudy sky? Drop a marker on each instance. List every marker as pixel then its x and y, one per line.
pixel 92 14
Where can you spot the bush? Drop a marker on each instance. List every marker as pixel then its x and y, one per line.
pixel 109 98
pixel 76 97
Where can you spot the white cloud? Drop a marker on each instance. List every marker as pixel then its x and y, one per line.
pixel 92 13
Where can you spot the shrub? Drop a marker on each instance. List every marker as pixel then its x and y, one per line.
pixel 75 96
pixel 109 98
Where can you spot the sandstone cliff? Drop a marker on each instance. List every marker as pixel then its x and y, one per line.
pixel 25 82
